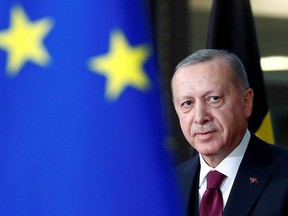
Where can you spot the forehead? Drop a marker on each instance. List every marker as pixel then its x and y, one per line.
pixel 206 76
pixel 216 70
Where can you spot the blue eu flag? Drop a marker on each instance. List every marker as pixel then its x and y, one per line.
pixel 81 126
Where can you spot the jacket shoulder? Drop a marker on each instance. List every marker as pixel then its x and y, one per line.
pixel 186 167
pixel 273 157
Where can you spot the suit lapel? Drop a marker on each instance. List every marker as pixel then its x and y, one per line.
pixel 194 196
pixel 189 179
pixel 250 181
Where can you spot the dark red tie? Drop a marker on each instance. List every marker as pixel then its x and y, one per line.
pixel 212 201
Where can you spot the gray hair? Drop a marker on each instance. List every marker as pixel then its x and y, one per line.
pixel 239 76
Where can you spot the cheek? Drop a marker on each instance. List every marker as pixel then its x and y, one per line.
pixel 223 120
pixel 185 124
pixel 231 121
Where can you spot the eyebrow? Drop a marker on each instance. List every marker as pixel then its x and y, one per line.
pixel 187 96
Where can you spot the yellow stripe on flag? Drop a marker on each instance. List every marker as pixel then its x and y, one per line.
pixel 265 131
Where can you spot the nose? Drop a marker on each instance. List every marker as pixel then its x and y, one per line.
pixel 201 113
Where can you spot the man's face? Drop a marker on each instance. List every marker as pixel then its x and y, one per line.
pixel 212 111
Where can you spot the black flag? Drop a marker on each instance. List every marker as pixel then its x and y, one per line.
pixel 232 29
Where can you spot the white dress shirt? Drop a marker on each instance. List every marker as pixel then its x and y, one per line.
pixel 229 167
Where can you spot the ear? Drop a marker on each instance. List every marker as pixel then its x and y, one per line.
pixel 248 101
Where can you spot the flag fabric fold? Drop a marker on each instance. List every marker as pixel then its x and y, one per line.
pixel 232 28
pixel 81 121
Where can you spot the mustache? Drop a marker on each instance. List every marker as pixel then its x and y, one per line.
pixel 203 129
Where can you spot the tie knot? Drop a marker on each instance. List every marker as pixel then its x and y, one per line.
pixel 214 179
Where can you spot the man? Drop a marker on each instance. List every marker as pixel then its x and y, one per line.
pixel 213 101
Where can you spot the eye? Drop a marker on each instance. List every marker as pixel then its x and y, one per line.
pixel 186 104
pixel 214 99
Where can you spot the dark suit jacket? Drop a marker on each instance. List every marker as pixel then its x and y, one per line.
pixel 260 187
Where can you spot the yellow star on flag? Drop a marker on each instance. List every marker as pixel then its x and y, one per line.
pixel 123 66
pixel 23 41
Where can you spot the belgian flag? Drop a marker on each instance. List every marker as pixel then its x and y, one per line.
pixel 232 28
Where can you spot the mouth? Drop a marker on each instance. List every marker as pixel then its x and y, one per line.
pixel 203 133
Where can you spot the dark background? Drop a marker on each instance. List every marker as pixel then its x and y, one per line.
pixel 181 29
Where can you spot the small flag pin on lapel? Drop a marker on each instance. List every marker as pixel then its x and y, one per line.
pixel 253 180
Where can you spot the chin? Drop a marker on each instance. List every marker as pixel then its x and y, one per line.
pixel 208 150
pixel 208 153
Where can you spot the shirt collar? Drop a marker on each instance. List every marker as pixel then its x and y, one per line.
pixel 229 166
